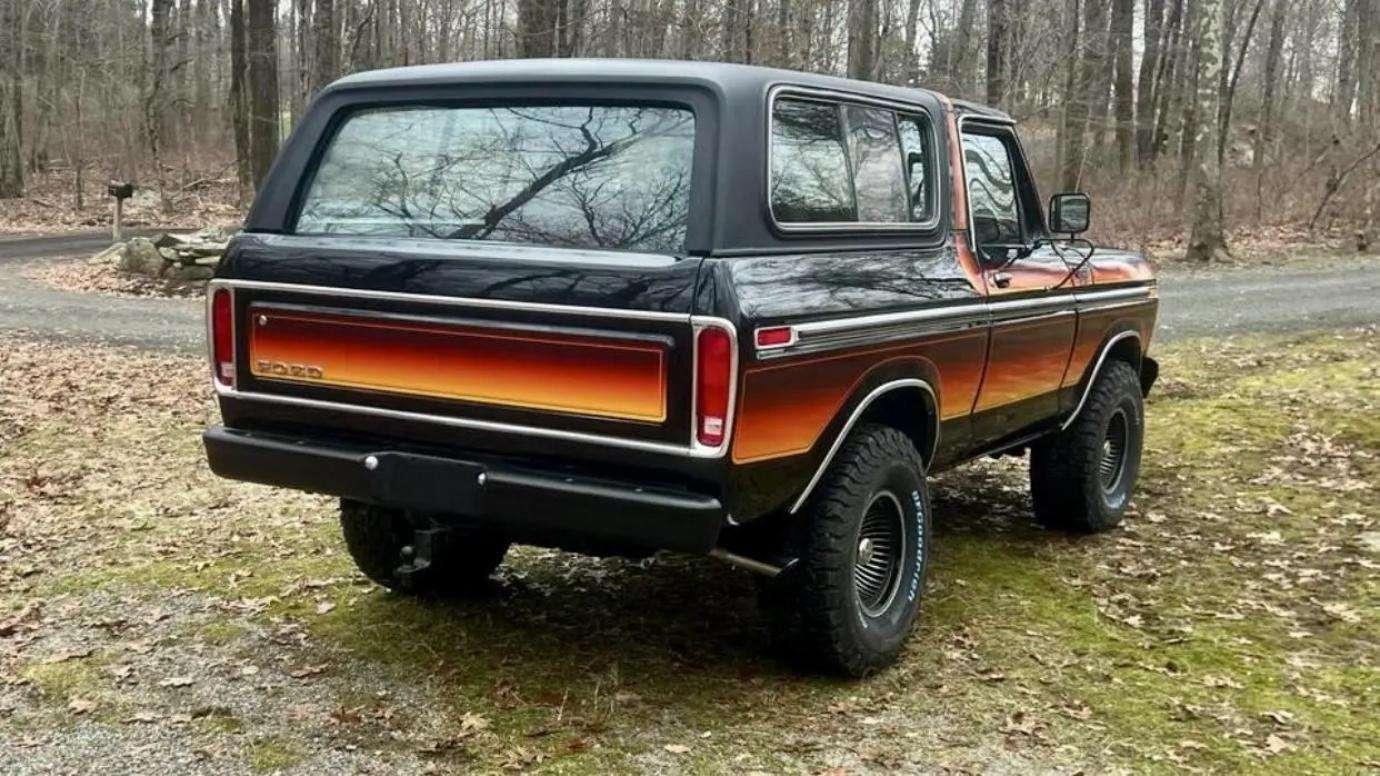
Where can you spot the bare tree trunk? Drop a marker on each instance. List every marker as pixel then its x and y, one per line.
pixel 912 63
pixel 1170 80
pixel 690 30
pixel 536 28
pixel 326 34
pixel 1344 93
pixel 961 44
pixel 1147 84
pixel 732 25
pixel 1069 112
pixel 264 107
pixel 1084 97
pixel 239 97
pixel 155 98
pixel 1123 16
pixel 11 106
pixel 862 39
pixel 1367 53
pixel 1265 132
pixel 1229 94
pixel 1208 240
pixel 998 27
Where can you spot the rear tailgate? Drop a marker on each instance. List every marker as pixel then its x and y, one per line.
pixel 575 370
pixel 488 347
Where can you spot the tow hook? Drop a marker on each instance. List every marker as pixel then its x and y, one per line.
pixel 416 558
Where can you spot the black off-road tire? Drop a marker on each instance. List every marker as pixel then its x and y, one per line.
pixel 1069 480
pixel 816 607
pixel 376 536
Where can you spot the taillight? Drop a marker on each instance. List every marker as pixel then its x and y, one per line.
pixel 713 385
pixel 223 337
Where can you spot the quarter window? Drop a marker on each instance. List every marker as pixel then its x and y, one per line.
pixel 878 179
pixel 809 175
pixel 844 163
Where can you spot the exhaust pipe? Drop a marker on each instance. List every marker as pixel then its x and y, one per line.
pixel 751 564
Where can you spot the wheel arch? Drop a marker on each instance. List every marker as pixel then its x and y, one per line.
pixel 1125 345
pixel 888 394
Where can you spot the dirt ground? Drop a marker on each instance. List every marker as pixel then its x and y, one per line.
pixel 154 619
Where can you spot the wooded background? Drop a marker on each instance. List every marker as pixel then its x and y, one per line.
pixel 1172 113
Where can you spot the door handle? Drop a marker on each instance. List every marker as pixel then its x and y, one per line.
pixel 1001 279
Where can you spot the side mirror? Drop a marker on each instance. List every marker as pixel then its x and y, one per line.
pixel 1069 213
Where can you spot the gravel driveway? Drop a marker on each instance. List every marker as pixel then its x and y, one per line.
pixel 1192 304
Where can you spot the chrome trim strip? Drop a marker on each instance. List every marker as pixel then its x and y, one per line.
pixel 1031 318
pixel 455 301
pixel 838 98
pixel 1003 307
pixel 816 336
pixel 832 325
pixel 1092 377
pixel 699 323
pixel 471 423
pixel 1114 305
pixel 1112 293
pixel 852 419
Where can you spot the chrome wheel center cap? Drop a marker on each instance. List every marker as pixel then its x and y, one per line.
pixel 1107 449
pixel 866 549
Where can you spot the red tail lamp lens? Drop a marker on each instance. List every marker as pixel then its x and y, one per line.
pixel 714 377
pixel 223 337
pixel 780 335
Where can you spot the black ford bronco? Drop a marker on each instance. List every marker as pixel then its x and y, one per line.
pixel 621 307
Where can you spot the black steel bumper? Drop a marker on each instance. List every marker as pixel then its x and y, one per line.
pixel 522 501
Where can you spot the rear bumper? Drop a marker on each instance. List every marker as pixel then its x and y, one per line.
pixel 531 504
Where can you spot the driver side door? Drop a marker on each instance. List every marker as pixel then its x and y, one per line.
pixel 1032 326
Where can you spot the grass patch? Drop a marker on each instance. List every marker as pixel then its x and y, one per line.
pixel 268 755
pixel 1229 625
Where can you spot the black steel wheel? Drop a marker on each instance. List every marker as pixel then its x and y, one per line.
pixel 1081 479
pixel 862 542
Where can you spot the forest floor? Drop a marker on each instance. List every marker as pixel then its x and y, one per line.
pixel 156 619
pixel 198 196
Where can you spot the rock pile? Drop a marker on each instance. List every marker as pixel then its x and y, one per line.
pixel 179 259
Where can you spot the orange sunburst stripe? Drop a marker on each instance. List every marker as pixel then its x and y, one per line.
pixel 537 370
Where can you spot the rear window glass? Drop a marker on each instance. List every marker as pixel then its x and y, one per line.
pixel 614 177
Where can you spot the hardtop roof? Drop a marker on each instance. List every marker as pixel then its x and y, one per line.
pixel 723 76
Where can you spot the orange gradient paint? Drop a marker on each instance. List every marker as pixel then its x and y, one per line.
pixel 785 407
pixel 576 374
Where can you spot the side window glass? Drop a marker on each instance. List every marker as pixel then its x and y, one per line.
pixel 810 181
pixel 878 179
pixel 915 155
pixel 991 190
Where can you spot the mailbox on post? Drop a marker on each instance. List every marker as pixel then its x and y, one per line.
pixel 121 191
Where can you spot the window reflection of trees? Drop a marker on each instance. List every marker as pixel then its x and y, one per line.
pixel 991 189
pixel 604 177
pixel 913 131
pixel 878 177
pixel 809 176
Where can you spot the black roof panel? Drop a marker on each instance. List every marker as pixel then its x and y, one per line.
pixel 726 77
